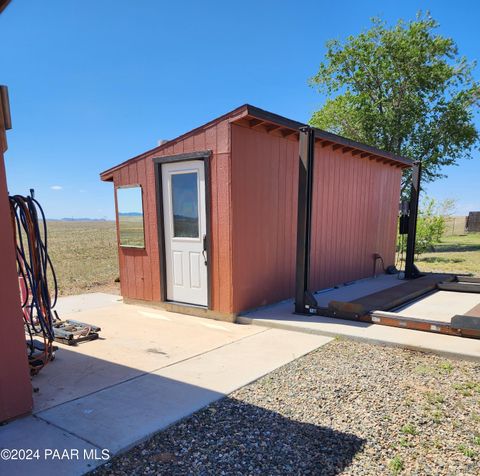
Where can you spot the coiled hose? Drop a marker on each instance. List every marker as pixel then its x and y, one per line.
pixel 33 267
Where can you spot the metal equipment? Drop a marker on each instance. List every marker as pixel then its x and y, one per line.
pixel 35 275
pixel 377 307
pixel 305 302
pixel 411 271
pixel 381 307
pixel 72 332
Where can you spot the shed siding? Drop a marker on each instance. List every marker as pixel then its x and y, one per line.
pixel 354 216
pixel 140 268
pixel 264 199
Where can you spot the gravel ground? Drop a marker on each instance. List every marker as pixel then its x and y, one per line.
pixel 347 408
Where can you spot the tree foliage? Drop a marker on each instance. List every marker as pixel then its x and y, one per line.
pixel 431 224
pixel 403 89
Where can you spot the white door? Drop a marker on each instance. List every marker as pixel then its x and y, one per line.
pixel 185 226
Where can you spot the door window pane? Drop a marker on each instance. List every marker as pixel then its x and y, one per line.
pixel 185 205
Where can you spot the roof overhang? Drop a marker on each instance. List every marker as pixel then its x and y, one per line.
pixel 279 125
pixel 3 5
pixel 254 117
pixel 107 175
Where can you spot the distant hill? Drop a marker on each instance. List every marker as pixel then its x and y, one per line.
pixel 77 219
pixel 131 214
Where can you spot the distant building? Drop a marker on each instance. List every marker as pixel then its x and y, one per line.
pixel 473 221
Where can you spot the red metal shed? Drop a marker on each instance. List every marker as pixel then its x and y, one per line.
pixel 219 208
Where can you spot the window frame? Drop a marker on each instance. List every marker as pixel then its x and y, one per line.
pixel 120 244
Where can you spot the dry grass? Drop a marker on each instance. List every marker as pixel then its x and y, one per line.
pixel 455 254
pixel 131 231
pixel 84 255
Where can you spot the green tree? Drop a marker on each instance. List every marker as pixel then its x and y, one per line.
pixel 404 89
pixel 431 225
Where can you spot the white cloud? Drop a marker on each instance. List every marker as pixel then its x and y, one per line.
pixel 56 187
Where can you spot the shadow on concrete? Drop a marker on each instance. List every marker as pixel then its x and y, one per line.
pixel 75 374
pixel 232 436
pixel 224 435
pixel 131 344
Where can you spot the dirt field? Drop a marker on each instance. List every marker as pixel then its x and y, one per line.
pixel 84 254
pixel 131 231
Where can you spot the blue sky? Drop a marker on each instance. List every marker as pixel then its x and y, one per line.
pixel 93 83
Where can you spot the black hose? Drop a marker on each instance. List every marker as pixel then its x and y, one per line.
pixel 33 266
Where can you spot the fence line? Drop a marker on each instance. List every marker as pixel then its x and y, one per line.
pixel 455 225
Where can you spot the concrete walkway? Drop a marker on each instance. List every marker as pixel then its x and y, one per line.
pixel 151 369
pixel 280 316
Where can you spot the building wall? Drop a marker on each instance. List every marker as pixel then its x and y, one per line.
pixel 473 222
pixel 264 198
pixel 354 216
pixel 254 215
pixel 15 385
pixel 140 268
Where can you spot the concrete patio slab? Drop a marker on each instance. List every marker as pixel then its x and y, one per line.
pixel 124 414
pixel 134 340
pixel 281 316
pixel 149 369
pixel 435 306
pixel 441 306
pixel 35 434
pixel 357 289
pixel 245 360
pixel 120 416
pixel 67 305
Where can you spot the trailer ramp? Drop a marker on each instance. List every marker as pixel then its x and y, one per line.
pixel 385 307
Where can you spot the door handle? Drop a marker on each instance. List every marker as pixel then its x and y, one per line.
pixel 204 251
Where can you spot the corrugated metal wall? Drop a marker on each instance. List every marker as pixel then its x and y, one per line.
pixel 140 269
pixel 354 216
